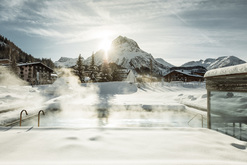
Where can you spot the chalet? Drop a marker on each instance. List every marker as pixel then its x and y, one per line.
pixel 123 73
pixel 185 74
pixel 35 73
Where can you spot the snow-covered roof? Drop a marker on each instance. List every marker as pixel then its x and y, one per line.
pixel 185 72
pixel 237 69
pixel 4 60
pixel 33 63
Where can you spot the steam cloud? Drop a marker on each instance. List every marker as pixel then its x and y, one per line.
pixel 8 78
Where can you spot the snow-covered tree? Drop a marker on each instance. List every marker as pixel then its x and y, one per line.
pixel 79 69
pixel 93 69
pixel 105 72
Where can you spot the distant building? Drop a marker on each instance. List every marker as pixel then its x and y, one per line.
pixel 53 77
pixel 35 73
pixel 5 62
pixel 123 73
pixel 131 77
pixel 185 74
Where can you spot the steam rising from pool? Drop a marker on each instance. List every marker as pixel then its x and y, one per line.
pixel 72 104
pixel 8 78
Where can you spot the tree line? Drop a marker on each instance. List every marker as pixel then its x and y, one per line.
pixel 103 73
pixel 8 50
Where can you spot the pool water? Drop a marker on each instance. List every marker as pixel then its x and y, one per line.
pixel 118 118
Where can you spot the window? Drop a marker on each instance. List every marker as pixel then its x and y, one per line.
pixel 228 111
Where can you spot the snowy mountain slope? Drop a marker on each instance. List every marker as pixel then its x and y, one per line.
pixel 127 53
pixel 66 62
pixel 162 61
pixel 225 61
pixel 220 62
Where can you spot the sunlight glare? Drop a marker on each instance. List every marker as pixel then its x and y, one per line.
pixel 105 44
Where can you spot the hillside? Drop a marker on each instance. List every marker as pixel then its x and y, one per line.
pixel 163 62
pixel 8 50
pixel 220 62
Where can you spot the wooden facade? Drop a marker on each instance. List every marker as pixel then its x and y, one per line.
pixel 35 73
pixel 237 83
pixel 182 76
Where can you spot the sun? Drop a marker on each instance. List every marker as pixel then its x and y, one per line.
pixel 105 44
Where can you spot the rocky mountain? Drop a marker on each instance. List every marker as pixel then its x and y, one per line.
pixel 66 62
pixel 127 53
pixel 220 62
pixel 162 61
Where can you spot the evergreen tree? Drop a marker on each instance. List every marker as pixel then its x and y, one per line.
pixel 105 72
pixel 93 70
pixel 116 76
pixel 92 61
pixel 79 69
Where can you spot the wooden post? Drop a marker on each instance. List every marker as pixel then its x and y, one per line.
pixel 209 109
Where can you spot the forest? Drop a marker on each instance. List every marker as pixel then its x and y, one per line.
pixel 8 50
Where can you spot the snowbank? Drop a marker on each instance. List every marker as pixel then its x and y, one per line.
pixel 111 144
pixel 237 69
pixel 173 146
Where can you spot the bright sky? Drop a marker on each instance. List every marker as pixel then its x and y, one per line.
pixel 176 30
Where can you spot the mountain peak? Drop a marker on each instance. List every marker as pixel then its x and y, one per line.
pixel 125 43
pixel 220 62
pixel 66 62
pixel 64 59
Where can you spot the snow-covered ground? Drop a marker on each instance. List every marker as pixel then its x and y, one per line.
pixel 187 146
pixel 71 98
pixel 148 124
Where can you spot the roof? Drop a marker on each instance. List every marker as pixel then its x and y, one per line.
pixel 231 70
pixel 34 63
pixel 5 60
pixel 54 75
pixel 185 72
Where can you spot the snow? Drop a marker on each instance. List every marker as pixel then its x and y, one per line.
pixel 237 69
pixel 220 62
pixel 2 43
pixel 176 146
pixel 131 77
pixel 65 94
pixel 186 72
pixel 126 53
pixel 66 62
pixel 163 62
pixel 133 134
pixel 32 63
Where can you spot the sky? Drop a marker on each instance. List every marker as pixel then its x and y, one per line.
pixel 176 30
